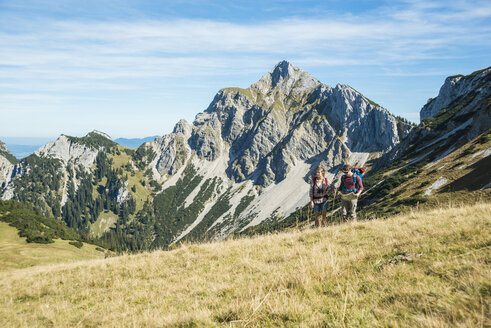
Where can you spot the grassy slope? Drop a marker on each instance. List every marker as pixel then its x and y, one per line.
pixel 423 269
pixel 142 193
pixel 465 169
pixel 16 253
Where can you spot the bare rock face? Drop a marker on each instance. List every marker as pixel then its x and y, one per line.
pixel 455 87
pixel 6 164
pixel 459 113
pixel 69 152
pixel 172 149
pixel 105 135
pixel 287 117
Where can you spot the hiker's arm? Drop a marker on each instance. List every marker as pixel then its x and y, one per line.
pixel 340 189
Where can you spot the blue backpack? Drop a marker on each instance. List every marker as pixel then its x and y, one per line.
pixel 357 171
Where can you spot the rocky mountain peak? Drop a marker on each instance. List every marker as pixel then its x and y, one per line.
pixel 281 71
pixel 284 77
pixel 182 127
pixel 69 149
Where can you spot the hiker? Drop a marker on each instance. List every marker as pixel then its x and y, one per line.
pixel 319 190
pixel 350 189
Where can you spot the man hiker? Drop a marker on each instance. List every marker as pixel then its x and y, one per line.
pixel 350 189
pixel 319 190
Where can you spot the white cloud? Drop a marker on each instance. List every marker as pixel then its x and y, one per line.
pixel 53 64
pixel 80 51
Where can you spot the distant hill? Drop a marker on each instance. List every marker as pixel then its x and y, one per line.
pixel 134 142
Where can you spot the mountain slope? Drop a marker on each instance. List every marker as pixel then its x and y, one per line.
pixel 446 154
pixel 241 162
pixel 244 164
pixel 27 239
pixel 443 160
pixel 79 180
pixel 427 268
pixel 253 149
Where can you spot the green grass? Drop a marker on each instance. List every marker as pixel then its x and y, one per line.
pixel 105 221
pixel 16 253
pixel 246 92
pixel 94 141
pixel 141 192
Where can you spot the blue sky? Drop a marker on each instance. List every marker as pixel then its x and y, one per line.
pixel 134 68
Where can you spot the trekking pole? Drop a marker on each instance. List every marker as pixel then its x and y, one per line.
pixel 333 202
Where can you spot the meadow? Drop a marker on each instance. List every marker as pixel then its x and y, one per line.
pixel 419 269
pixel 16 253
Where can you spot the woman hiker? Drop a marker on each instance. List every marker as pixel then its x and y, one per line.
pixel 319 190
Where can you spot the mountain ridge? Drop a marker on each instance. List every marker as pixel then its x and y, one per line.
pixel 240 164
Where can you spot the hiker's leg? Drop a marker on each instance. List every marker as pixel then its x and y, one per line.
pixel 353 208
pixel 317 210
pixel 324 213
pixel 344 208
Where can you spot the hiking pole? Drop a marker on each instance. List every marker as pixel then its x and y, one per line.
pixel 333 202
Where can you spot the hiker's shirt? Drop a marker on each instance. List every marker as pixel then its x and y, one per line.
pixel 319 191
pixel 349 183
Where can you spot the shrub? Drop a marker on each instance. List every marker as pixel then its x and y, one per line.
pixel 77 243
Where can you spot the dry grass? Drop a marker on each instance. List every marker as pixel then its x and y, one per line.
pixel 424 269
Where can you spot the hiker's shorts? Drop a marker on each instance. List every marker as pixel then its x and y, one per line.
pixel 319 208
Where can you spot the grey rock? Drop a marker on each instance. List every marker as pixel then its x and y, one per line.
pixel 171 150
pixel 68 152
pixel 455 87
pixel 6 167
pixel 3 146
pixel 468 95
pixel 285 118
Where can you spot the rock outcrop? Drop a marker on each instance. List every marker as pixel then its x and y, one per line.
pixel 7 162
pixel 68 151
pixel 66 155
pixel 456 87
pixel 459 113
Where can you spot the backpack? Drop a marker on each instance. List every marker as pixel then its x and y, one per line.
pixel 357 171
pixel 315 182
